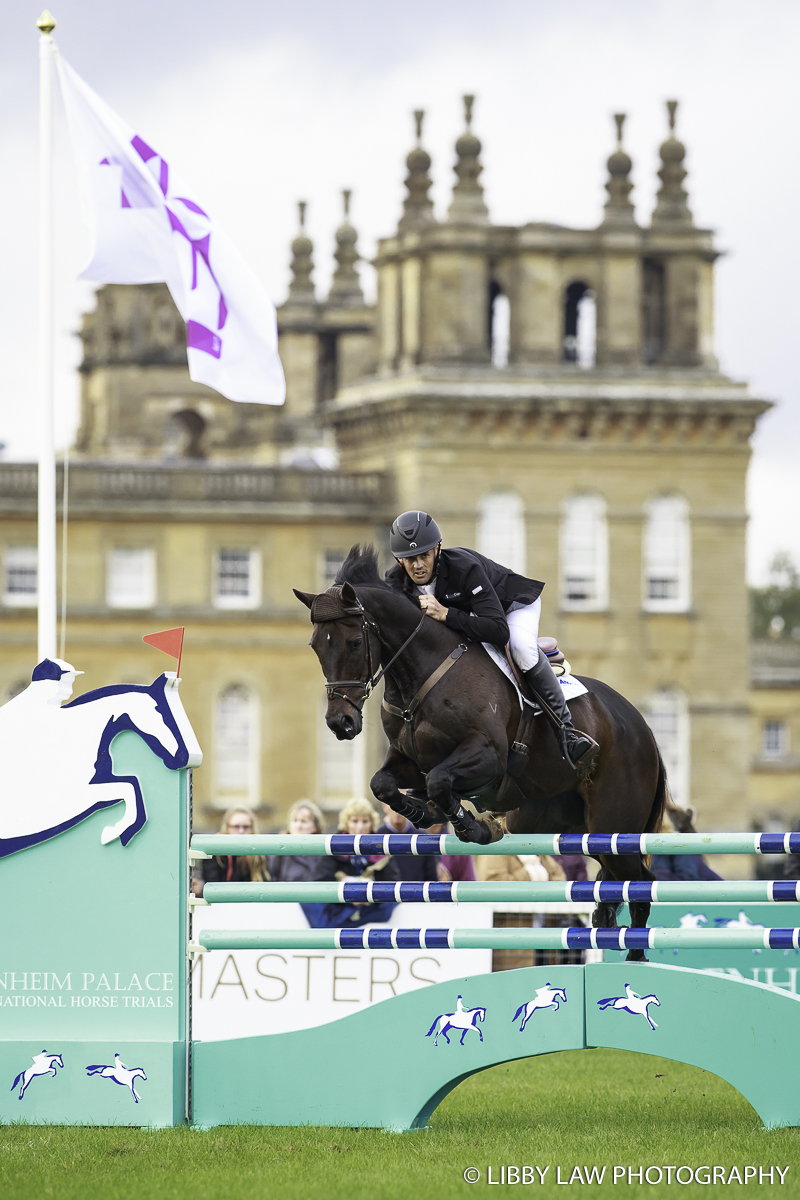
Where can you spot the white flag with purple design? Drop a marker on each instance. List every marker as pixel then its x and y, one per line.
pixel 148 228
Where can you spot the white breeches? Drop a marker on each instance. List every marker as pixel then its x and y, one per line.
pixel 523 627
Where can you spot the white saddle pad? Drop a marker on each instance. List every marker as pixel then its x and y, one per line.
pixel 570 686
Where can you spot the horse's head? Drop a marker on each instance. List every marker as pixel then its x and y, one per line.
pixel 341 642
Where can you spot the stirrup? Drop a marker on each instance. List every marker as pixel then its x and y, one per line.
pixel 584 765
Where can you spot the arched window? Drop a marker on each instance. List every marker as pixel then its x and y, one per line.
pixel 580 325
pixel 499 323
pixel 667 714
pixel 584 554
pixel 501 529
pixel 667 555
pixel 341 766
pixel 236 748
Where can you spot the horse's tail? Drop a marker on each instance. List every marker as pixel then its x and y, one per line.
pixel 16 1081
pixel 516 1014
pixel 433 1026
pixel 660 799
pixel 605 1003
pixel 94 1068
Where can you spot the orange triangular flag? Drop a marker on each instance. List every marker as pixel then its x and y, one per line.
pixel 169 640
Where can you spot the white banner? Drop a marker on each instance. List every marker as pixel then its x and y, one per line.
pixel 245 993
pixel 149 228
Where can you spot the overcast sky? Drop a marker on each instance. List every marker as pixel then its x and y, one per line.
pixel 259 105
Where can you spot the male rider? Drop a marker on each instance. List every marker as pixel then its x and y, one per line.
pixel 483 602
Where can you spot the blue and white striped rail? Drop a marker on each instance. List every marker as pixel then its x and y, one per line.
pixel 752 938
pixel 358 891
pixel 207 845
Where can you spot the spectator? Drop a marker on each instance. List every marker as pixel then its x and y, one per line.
pixel 359 816
pixel 304 818
pixel 681 866
pixel 411 868
pixel 227 868
pixel 791 868
pixel 452 867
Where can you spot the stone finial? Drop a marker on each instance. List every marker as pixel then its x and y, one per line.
pixel 671 205
pixel 417 206
pixel 468 205
pixel 301 286
pixel 345 286
pixel 618 207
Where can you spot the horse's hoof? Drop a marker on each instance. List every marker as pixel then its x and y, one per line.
pixel 637 956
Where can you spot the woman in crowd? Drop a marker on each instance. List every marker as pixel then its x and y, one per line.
pixel 359 816
pixel 228 868
pixel 304 817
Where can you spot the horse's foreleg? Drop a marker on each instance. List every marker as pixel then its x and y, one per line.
pixel 122 792
pixel 473 763
pixel 626 867
pixel 400 772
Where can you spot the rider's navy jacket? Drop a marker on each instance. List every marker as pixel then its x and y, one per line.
pixel 476 592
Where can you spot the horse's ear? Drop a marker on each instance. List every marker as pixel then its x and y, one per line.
pixel 349 596
pixel 306 598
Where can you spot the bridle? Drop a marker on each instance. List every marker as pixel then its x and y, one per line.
pixel 372 680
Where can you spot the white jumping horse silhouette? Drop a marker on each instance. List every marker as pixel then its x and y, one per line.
pixel 55 762
pixel 463 1019
pixel 43 1064
pixel 544 997
pixel 120 1074
pixel 693 920
pixel 633 1003
pixel 741 922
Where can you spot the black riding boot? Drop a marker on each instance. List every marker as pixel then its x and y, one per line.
pixel 578 748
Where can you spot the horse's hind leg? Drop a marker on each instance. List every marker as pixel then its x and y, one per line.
pixel 627 867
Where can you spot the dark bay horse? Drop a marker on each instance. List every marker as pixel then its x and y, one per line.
pixel 449 759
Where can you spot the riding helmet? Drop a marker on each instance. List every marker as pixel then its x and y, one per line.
pixel 413 533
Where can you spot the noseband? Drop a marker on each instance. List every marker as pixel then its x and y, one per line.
pixel 329 606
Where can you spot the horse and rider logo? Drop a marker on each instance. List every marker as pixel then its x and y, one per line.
pixel 544 997
pixel 463 1019
pixel 119 1073
pixel 43 1064
pixel 632 1003
pixel 46 1064
pixel 45 794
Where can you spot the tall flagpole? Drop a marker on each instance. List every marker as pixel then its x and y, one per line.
pixel 47 457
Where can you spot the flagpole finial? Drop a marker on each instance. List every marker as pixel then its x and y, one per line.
pixel 46 23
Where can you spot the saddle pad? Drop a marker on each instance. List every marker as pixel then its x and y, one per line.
pixel 570 686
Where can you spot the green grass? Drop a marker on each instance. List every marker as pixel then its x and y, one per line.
pixel 580 1107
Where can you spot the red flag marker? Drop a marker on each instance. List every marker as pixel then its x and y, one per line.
pixel 169 640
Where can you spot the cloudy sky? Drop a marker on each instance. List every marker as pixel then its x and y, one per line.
pixel 259 105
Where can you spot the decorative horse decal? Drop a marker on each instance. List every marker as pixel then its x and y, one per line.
pixel 693 920
pixel 463 1019
pixel 55 762
pixel 544 997
pixel 633 1003
pixel 120 1074
pixel 740 922
pixel 43 1064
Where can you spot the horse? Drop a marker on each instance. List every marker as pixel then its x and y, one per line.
pixel 43 1064
pixel 463 1019
pixel 544 997
pixel 120 1074
pixel 632 1003
pixel 55 760
pixel 451 715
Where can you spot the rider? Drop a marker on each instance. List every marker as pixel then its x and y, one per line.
pixel 484 602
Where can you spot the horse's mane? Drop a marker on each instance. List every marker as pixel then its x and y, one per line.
pixel 361 568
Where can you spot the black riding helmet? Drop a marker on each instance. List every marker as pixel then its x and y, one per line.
pixel 413 533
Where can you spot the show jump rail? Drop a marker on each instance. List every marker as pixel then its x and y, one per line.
pixel 207 845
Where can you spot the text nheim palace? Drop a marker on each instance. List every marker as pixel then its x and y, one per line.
pixel 621 483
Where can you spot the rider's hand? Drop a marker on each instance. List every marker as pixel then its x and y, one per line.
pixel 432 608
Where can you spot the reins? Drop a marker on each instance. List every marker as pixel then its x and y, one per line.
pixel 369 684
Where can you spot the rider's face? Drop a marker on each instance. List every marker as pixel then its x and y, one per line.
pixel 420 567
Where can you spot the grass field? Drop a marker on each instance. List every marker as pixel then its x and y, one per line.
pixel 580 1108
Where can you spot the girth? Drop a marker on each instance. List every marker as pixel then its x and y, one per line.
pixel 408 714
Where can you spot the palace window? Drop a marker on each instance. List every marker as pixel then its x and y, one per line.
pixel 237 578
pixel 667 714
pixel 501 529
pixel 131 577
pixel 341 766
pixel 499 325
pixel 329 563
pixel 580 325
pixel 20 574
pixel 236 748
pixel 667 555
pixel 774 739
pixel 584 554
